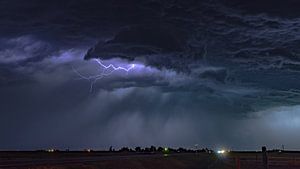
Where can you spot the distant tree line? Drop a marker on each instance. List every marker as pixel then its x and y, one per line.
pixel 151 149
pixel 154 149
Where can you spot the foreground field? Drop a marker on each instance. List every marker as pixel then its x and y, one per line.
pixel 105 160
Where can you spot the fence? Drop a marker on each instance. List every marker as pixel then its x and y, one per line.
pixel 273 162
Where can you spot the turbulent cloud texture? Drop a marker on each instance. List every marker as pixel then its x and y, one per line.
pixel 213 73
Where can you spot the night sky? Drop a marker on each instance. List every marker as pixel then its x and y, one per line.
pixel 216 73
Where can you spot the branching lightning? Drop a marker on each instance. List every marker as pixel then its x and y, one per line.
pixel 106 71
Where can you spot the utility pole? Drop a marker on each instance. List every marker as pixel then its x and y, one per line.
pixel 265 157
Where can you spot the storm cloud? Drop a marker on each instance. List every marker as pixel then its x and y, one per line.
pixel 213 73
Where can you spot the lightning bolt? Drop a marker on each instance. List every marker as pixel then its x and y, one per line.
pixel 106 71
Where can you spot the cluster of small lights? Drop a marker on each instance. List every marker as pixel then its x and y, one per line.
pixel 50 150
pixel 107 70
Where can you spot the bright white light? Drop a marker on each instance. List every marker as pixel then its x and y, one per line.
pixel 221 151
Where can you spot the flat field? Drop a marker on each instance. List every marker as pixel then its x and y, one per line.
pixel 127 160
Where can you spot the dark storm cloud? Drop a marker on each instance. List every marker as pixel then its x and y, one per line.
pixel 142 40
pixel 255 44
pixel 288 8
pixel 258 41
pixel 211 73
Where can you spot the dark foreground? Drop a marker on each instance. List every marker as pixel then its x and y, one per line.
pixel 117 160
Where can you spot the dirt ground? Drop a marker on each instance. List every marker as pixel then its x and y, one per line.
pixel 94 160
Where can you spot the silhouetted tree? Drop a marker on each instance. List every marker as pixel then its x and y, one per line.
pixel 138 149
pixel 110 148
pixel 180 150
pixel 152 149
pixel 124 149
pixel 147 149
pixel 160 149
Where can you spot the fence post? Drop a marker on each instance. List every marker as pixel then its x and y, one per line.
pixel 264 157
pixel 256 160
pixel 238 162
